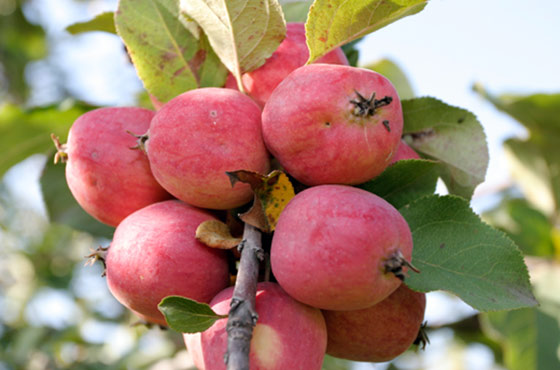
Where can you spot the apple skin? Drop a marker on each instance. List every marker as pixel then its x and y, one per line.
pixel 291 54
pixel 154 254
pixel 404 152
pixel 331 244
pixel 106 177
pixel 311 127
pixel 288 334
pixel 378 333
pixel 199 135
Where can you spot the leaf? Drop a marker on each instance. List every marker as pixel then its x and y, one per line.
pixel 216 234
pixel 169 59
pixel 405 181
pixel 333 23
pixel 61 206
pixel 104 22
pixel 530 229
pixel 451 135
pixel 272 194
pixel 186 315
pixel 296 11
pixel 540 113
pixel 244 33
pixel 530 338
pixel 395 74
pixel 456 252
pixel 26 132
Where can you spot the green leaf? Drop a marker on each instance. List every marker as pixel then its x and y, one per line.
pixel 186 315
pixel 169 59
pixel 530 229
pixel 104 22
pixel 405 181
pixel 296 11
pixel 244 33
pixel 540 113
pixel 395 74
pixel 61 206
pixel 26 132
pixel 456 252
pixel 333 23
pixel 530 337
pixel 451 135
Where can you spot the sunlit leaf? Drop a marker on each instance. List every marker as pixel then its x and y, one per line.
pixel 244 33
pixel 333 23
pixel 395 74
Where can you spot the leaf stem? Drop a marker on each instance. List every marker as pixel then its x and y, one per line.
pixel 242 314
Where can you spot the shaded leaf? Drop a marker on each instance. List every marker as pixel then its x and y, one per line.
pixel 216 234
pixel 61 206
pixel 244 33
pixel 104 22
pixel 272 194
pixel 186 315
pixel 296 11
pixel 530 229
pixel 169 59
pixel 451 135
pixel 456 252
pixel 395 74
pixel 405 181
pixel 333 23
pixel 26 132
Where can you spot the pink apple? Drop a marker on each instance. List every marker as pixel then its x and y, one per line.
pixel 288 334
pixel 199 135
pixel 291 54
pixel 334 247
pixel 333 124
pixel 154 254
pixel 109 179
pixel 404 152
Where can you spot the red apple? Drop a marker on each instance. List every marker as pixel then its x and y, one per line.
pixel 335 247
pixel 288 334
pixel 404 152
pixel 333 124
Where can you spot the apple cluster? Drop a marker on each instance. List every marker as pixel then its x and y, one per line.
pixel 338 254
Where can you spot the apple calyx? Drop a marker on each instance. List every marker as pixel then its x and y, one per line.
pixel 365 107
pixel 394 264
pixel 140 141
pixel 98 254
pixel 61 150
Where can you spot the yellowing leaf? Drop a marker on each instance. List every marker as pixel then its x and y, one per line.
pixel 272 194
pixel 244 33
pixel 333 23
pixel 216 234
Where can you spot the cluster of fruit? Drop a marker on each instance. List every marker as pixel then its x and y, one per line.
pixel 338 253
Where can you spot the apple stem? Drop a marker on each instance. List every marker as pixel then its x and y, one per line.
pixel 242 314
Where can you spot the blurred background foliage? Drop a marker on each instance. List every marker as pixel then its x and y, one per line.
pixel 57 313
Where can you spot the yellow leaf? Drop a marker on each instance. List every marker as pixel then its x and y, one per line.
pixel 216 234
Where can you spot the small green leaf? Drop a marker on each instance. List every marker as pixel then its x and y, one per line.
pixel 296 11
pixel 244 33
pixel 26 132
pixel 104 22
pixel 451 135
pixel 61 206
pixel 405 181
pixel 333 23
pixel 169 59
pixel 186 315
pixel 456 252
pixel 395 74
